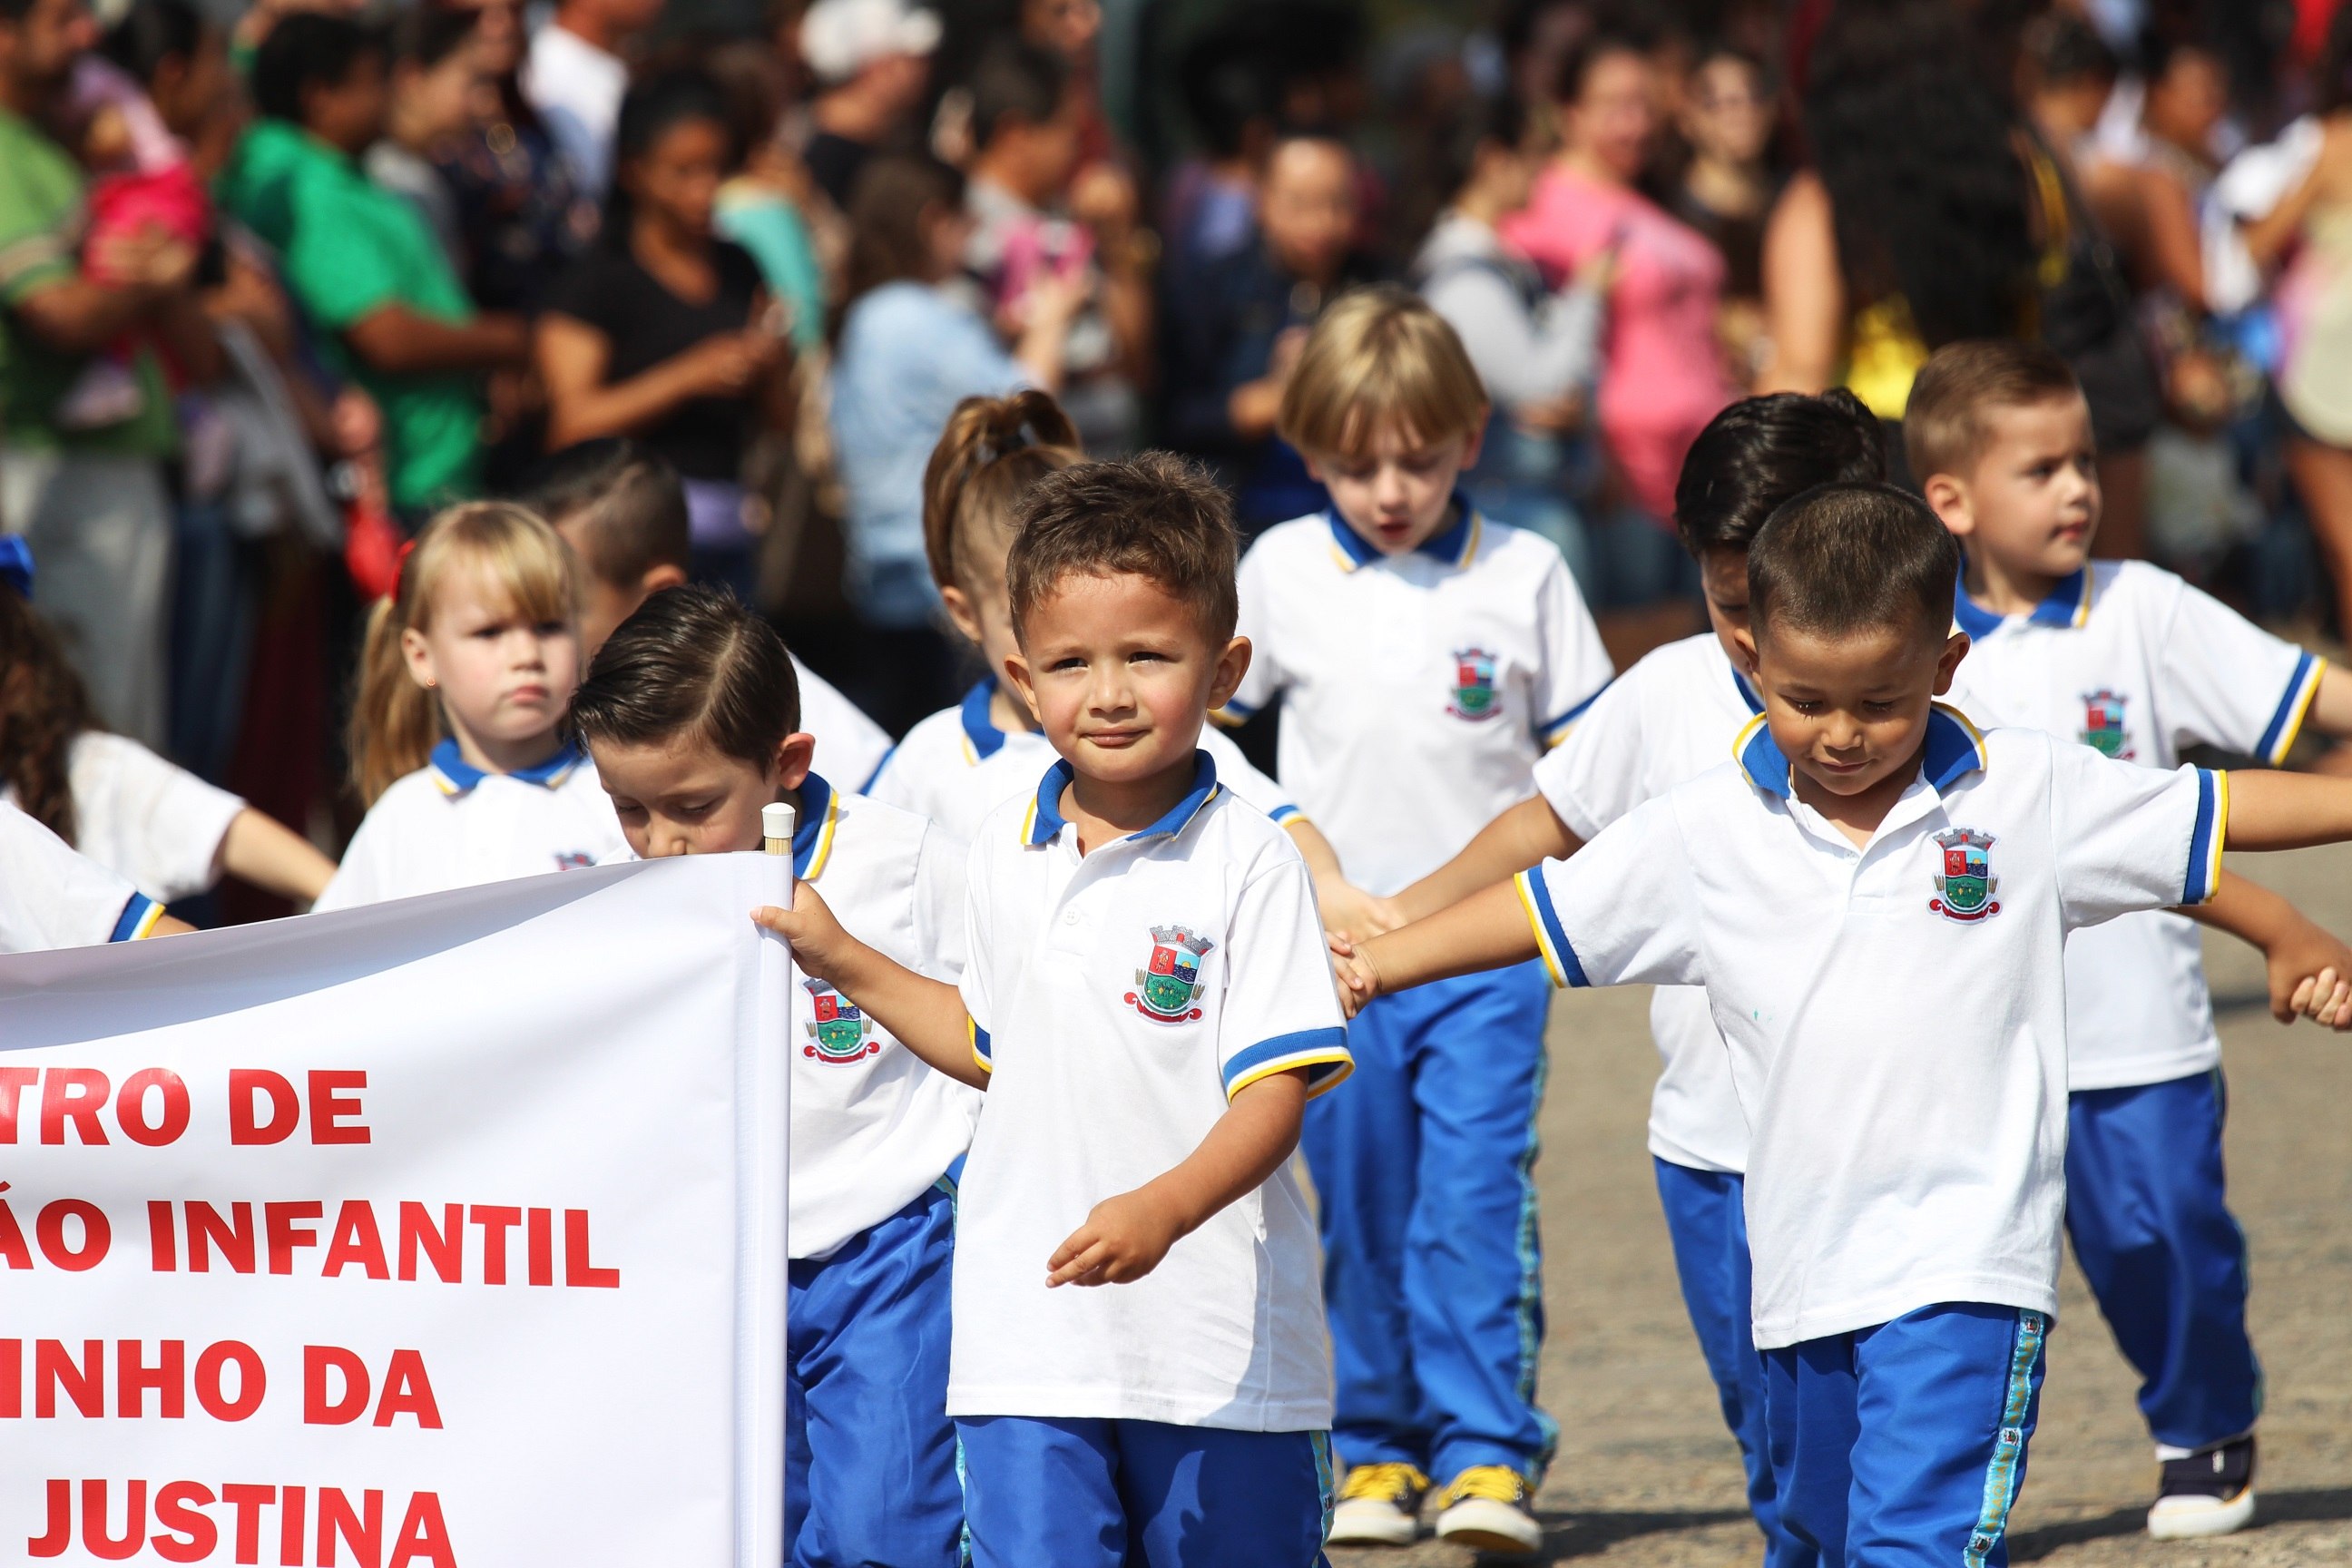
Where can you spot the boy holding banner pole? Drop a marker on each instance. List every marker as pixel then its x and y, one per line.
pixel 692 715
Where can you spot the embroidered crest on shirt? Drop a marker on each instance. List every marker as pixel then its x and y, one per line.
pixel 2102 724
pixel 1474 697
pixel 839 1034
pixel 1166 988
pixel 1967 881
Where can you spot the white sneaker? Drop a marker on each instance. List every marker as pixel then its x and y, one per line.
pixel 1486 1508
pixel 1379 1505
pixel 2206 1493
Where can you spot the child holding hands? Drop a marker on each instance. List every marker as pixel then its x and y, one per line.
pixel 1143 1005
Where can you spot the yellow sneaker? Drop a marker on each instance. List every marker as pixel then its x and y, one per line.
pixel 1488 1508
pixel 1379 1505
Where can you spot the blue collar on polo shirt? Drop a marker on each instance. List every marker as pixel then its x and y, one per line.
pixel 2068 604
pixel 1955 749
pixel 1044 821
pixel 1456 546
pixel 979 729
pixel 812 835
pixel 456 775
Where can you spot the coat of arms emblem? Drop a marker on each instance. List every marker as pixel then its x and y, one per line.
pixel 839 1033
pixel 2103 724
pixel 1967 881
pixel 1474 694
pixel 1166 988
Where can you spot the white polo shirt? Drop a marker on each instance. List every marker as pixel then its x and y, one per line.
pixel 450 825
pixel 145 818
pixel 849 746
pixel 51 897
pixel 872 1124
pixel 2129 658
pixel 1119 1000
pixel 1897 1015
pixel 1417 689
pixel 956 767
pixel 1668 720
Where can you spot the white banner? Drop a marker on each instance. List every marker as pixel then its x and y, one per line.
pixel 444 1234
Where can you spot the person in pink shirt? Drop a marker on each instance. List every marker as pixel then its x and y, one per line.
pixel 1662 375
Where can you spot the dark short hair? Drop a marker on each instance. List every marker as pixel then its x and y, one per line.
pixel 150 33
pixel 1155 515
pixel 1844 559
pixel 308 49
pixel 1943 425
pixel 425 36
pixel 1618 37
pixel 1762 451
pixel 692 661
pixel 628 501
pixel 1016 78
pixel 1476 124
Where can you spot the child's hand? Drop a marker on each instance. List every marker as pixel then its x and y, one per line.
pixel 1124 1239
pixel 1352 975
pixel 820 946
pixel 2311 978
pixel 1353 913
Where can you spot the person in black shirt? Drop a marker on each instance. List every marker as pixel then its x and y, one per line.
pixel 662 330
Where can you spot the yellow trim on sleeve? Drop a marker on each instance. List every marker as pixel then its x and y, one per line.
pixel 2301 711
pixel 1535 923
pixel 1293 1064
pixel 2221 833
pixel 146 927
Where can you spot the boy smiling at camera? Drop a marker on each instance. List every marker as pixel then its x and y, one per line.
pixel 1875 898
pixel 1147 1003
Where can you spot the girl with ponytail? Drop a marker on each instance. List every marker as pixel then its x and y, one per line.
pixel 962 762
pixel 457 738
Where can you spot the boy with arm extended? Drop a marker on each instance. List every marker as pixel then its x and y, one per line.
pixel 1875 897
pixel 1425 657
pixel 2126 657
pixel 1146 1002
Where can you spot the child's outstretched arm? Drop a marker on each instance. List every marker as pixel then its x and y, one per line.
pixel 1125 1237
pixel 263 851
pixel 1488 930
pixel 1347 907
pixel 2271 810
pixel 927 1015
pixel 2310 969
pixel 1527 834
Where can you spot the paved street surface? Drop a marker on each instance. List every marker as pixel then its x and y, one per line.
pixel 1646 1474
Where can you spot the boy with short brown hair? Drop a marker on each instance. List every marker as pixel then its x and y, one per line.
pixel 1146 1003
pixel 2127 658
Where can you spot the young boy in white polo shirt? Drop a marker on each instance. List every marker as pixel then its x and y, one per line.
pixel 1671 717
pixel 1424 657
pixel 690 712
pixel 1875 897
pixel 2126 658
pixel 1138 1355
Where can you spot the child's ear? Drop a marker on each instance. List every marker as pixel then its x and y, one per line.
pixel 795 754
pixel 1016 670
pixel 1947 663
pixel 1744 638
pixel 961 613
pixel 657 578
pixel 1232 663
pixel 1948 498
pixel 1314 469
pixel 418 656
pixel 1476 441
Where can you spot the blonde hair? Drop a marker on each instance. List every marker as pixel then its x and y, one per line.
pixel 1946 426
pixel 1380 356
pixel 991 451
pixel 397 722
